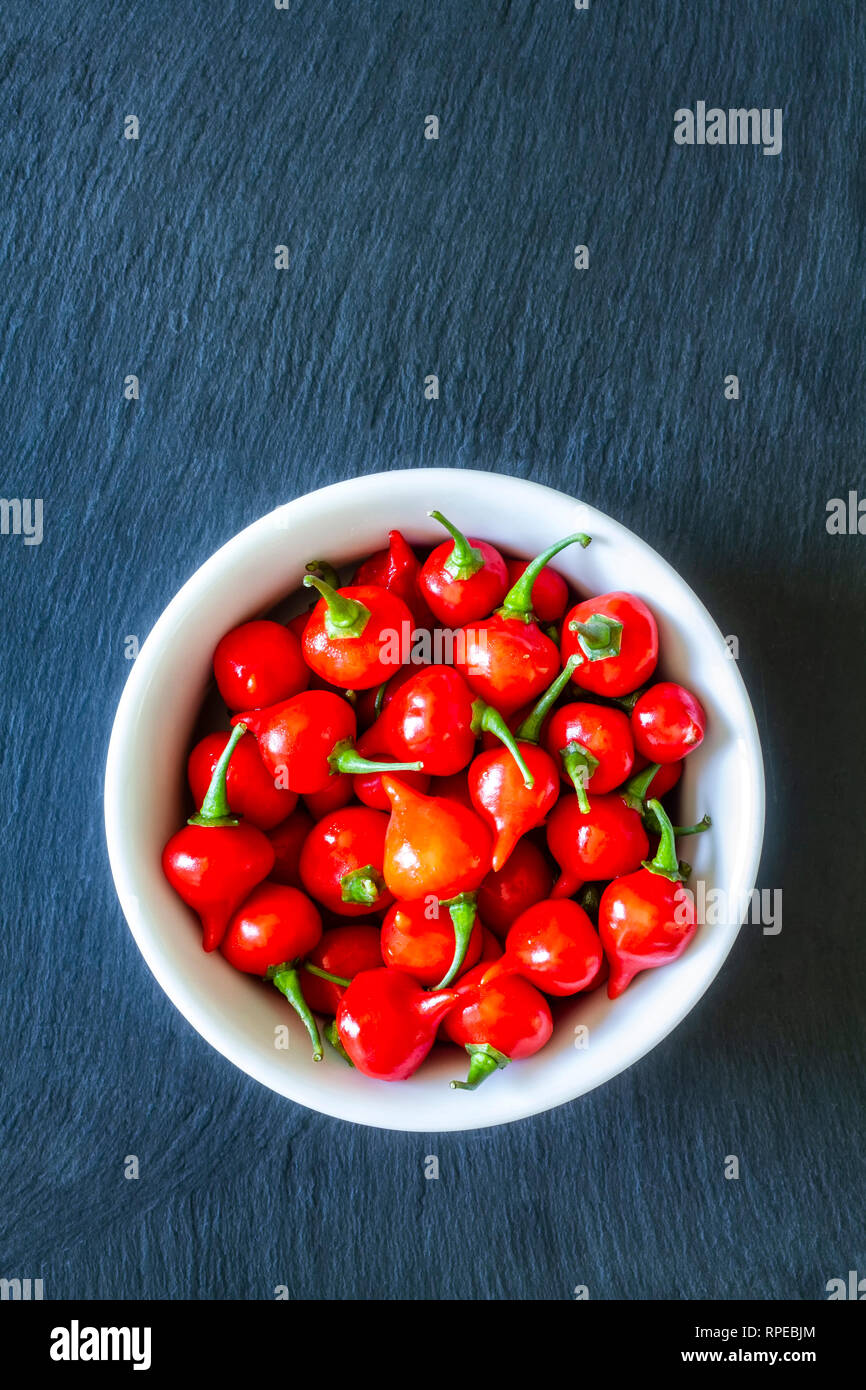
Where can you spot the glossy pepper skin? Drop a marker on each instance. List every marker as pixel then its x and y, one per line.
pixel 553 945
pixel 268 935
pixel 507 659
pixel 258 664
pixel 337 792
pixel 646 918
pixel 387 1023
pixel 367 786
pixel 354 636
pixel 215 860
pixel 668 722
pixel 462 580
pixel 397 569
pixel 502 799
pixel 433 846
pixel 250 789
pixel 664 780
pixel 592 746
pixel 371 703
pixel 602 843
pixel 453 788
pixel 342 952
pixel 502 1021
pixel 524 879
pixel 491 950
pixel 549 592
pixel 306 740
pixel 423 946
pixel 288 839
pixel 435 718
pixel 341 862
pixel 617 637
pixel 511 802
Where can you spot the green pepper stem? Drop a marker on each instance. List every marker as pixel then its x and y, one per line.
pixel 580 764
pixel 345 617
pixel 599 637
pixel 589 898
pixel 465 559
pixel 703 824
pixel 346 758
pixel 462 911
pixel 332 1033
pixel 665 862
pixel 364 886
pixel 530 730
pixel 484 1060
pixel 285 977
pixel 325 571
pixel 326 975
pixel 487 720
pixel 637 787
pixel 215 809
pixel 380 695
pixel 518 601
pixel 628 702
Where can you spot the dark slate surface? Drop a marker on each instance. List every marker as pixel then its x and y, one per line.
pixel 261 127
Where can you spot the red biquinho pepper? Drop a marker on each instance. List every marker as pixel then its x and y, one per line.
pixel 549 592
pixel 593 747
pixel 453 788
pixel 507 659
pixel 370 703
pixel 397 569
pixel 433 846
pixel 269 936
pixel 215 860
pixel 258 664
pixel 607 840
pixel 646 918
pixel 616 637
pixel 387 1023
pixel 497 1022
pixel 341 862
pixel 436 718
pixel 525 879
pixel 250 789
pixel 367 786
pixel 355 637
pixel 635 793
pixel 668 723
pixel 332 797
pixel 331 966
pixel 664 779
pixel 462 580
pixel 515 798
pixel 322 570
pixel 288 841
pixel 553 945
pixel 307 740
pixel 432 941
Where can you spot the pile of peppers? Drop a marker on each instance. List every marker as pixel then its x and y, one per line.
pixel 420 853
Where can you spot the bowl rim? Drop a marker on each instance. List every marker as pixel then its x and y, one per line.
pixel 146 935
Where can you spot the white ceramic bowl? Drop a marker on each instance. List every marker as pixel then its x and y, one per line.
pixel 165 690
